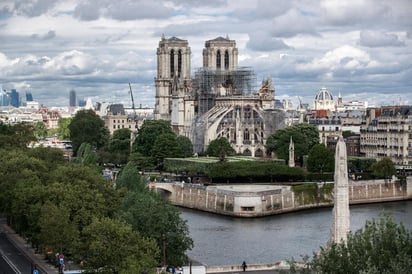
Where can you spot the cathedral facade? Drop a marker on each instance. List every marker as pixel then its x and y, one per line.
pixel 220 100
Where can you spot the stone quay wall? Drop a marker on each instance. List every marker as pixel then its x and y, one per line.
pixel 282 200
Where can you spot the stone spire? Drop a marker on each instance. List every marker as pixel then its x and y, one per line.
pixel 291 153
pixel 341 214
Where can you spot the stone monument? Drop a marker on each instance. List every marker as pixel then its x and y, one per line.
pixel 291 153
pixel 341 214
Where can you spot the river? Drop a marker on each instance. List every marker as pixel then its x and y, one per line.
pixel 223 240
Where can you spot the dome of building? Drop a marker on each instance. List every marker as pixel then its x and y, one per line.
pixel 323 94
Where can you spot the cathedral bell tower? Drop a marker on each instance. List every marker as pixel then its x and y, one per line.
pixel 172 81
pixel 220 53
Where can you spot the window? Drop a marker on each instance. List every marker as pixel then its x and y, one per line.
pixel 218 61
pixel 246 134
pixel 179 63
pixel 247 208
pixel 172 63
pixel 226 59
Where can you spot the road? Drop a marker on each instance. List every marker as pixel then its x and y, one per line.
pixel 12 261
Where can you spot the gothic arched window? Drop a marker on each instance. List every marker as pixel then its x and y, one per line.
pixel 226 59
pixel 246 135
pixel 218 61
pixel 172 63
pixel 179 62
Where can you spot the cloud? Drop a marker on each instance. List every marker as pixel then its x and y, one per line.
pixel 33 8
pixel 292 23
pixel 122 10
pixel 261 41
pixel 379 39
pixel 49 35
pixel 345 61
pixel 345 12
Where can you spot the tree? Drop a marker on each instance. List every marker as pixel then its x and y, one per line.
pixel 154 217
pixel 57 231
pixel 87 127
pixel 384 168
pixel 165 146
pixel 19 135
pixel 63 131
pixel 321 159
pixel 185 146
pixel 220 148
pixel 85 155
pixel 380 247
pixel 118 149
pixel 40 130
pixel 304 137
pixel 113 247
pixel 147 135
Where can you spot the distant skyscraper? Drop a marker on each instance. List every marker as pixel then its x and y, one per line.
pixel 73 101
pixel 14 98
pixel 29 96
pixel 82 102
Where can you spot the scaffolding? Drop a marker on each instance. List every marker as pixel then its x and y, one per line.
pixel 208 83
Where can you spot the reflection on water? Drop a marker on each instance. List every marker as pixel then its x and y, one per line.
pixel 222 240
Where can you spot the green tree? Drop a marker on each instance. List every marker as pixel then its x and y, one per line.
pixel 148 134
pixel 113 247
pixel 154 217
pixel 85 155
pixel 185 146
pixel 87 127
pixel 40 130
pixel 57 231
pixel 63 131
pixel 220 148
pixel 384 168
pixel 118 149
pixel 304 137
pixel 165 146
pixel 19 135
pixel 321 159
pixel 380 247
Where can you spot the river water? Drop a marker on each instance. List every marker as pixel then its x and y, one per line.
pixel 223 240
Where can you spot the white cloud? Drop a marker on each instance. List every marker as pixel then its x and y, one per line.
pixel 291 24
pixel 345 57
pixel 379 39
pixel 98 46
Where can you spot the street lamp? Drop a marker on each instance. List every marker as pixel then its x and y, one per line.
pixel 164 249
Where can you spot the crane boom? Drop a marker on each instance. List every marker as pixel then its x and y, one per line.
pixel 131 95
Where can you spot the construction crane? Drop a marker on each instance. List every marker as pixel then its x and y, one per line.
pixel 131 95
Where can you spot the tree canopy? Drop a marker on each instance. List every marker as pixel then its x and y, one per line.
pixel 321 159
pixel 154 217
pixel 384 168
pixel 304 137
pixel 220 148
pixel 87 127
pixel 382 246
pixel 148 134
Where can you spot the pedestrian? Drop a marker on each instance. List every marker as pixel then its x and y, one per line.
pixel 244 266
pixel 35 271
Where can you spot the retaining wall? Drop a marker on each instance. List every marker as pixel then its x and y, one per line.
pixel 254 204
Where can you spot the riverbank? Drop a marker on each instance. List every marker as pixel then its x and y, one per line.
pixel 264 200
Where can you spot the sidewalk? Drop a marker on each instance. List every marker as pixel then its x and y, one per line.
pixel 28 251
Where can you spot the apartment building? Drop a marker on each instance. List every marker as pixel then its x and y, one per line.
pixel 387 132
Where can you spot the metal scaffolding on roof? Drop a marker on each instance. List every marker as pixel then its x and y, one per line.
pixel 207 84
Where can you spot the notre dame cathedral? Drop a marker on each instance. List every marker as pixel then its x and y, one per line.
pixel 220 100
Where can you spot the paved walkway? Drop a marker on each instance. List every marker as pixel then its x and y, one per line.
pixel 26 249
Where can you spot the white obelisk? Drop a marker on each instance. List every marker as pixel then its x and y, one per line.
pixel 291 153
pixel 341 214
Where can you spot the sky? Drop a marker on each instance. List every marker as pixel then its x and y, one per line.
pixel 360 49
